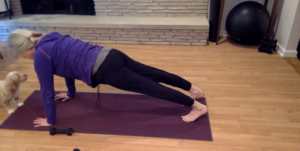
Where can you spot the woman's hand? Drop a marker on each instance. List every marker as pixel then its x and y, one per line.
pixel 41 122
pixel 63 96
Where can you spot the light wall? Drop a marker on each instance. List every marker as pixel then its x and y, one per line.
pixel 288 30
pixel 3 6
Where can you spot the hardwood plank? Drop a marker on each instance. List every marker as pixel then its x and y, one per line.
pixel 295 63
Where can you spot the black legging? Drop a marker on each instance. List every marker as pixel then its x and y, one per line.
pixel 120 71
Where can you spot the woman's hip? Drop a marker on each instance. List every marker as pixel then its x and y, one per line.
pixel 113 62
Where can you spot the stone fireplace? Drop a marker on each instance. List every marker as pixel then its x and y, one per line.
pixel 164 22
pixel 165 8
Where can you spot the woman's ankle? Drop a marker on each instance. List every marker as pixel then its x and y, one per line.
pixel 193 89
pixel 197 105
pixel 196 93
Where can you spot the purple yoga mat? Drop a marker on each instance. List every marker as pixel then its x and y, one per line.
pixel 120 114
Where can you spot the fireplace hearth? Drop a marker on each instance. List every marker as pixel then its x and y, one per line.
pixel 76 7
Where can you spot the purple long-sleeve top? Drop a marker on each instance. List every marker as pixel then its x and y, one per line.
pixel 66 57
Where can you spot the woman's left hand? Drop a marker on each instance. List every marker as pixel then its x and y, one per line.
pixel 41 122
pixel 63 96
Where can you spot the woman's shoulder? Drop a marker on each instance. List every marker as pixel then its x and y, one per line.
pixel 53 34
pixel 48 38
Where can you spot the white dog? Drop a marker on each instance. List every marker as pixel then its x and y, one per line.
pixel 9 90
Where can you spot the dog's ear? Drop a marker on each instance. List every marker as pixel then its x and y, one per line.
pixel 12 82
pixel 13 89
pixel 12 86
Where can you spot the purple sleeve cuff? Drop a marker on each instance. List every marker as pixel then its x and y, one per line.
pixel 71 87
pixel 51 121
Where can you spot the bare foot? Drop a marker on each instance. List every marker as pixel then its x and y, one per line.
pixel 196 93
pixel 197 111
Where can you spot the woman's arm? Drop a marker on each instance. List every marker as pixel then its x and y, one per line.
pixel 71 87
pixel 43 68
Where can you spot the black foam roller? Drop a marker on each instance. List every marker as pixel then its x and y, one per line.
pixel 214 15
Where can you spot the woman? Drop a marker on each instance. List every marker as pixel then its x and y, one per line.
pixel 61 55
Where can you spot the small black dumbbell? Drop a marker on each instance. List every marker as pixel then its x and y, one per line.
pixel 54 131
pixel 76 149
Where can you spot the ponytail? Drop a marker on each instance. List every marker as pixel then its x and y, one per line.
pixel 23 39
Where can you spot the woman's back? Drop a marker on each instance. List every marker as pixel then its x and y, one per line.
pixel 70 58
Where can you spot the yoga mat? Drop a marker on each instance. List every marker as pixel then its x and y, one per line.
pixel 120 114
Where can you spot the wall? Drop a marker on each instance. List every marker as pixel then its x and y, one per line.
pixel 162 8
pixel 295 31
pixel 3 6
pixel 288 30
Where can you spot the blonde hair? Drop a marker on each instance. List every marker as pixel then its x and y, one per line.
pixel 23 39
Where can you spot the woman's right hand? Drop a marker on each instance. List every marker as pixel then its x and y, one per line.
pixel 63 96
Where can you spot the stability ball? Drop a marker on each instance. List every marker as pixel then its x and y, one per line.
pixel 247 23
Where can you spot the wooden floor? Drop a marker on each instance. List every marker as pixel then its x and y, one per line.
pixel 253 101
pixel 295 62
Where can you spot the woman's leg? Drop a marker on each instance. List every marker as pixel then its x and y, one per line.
pixel 114 72
pixel 161 76
pixel 125 79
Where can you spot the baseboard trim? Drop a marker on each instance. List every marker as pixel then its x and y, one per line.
pixel 286 53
